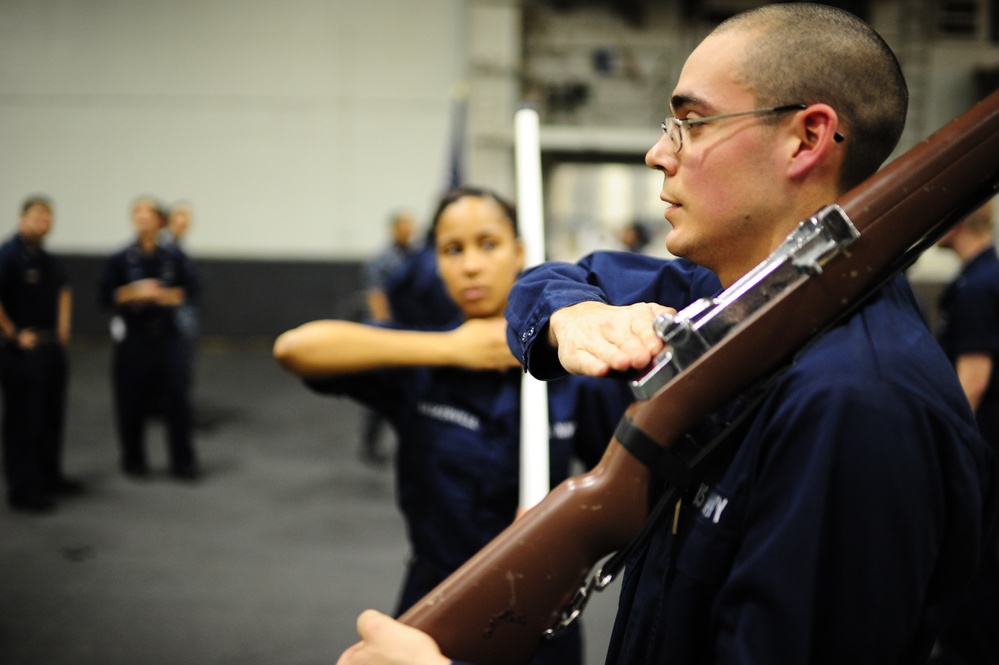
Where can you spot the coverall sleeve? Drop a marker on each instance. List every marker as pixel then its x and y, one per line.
pixel 615 278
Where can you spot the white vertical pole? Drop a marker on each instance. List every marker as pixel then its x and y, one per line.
pixel 534 435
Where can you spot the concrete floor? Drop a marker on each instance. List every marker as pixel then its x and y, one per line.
pixel 267 559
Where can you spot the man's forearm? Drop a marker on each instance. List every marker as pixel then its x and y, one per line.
pixel 974 371
pixel 6 325
pixel 64 316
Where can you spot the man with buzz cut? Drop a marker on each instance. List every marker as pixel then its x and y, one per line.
pixel 852 505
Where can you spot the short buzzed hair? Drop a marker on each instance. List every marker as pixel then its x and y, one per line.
pixel 36 200
pixel 819 54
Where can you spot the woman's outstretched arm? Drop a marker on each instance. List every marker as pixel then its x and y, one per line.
pixel 331 347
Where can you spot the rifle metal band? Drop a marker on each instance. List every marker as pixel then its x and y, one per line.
pixel 662 461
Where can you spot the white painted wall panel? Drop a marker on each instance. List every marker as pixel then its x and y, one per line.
pixel 294 126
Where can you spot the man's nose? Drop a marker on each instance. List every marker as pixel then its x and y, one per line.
pixel 661 156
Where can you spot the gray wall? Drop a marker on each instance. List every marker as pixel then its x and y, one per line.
pixel 294 126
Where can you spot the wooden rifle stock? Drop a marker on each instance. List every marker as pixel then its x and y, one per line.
pixel 495 608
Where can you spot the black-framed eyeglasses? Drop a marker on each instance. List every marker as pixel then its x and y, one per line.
pixel 673 126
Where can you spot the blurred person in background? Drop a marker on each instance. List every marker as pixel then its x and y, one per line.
pixel 377 273
pixel 416 295
pixel 635 237
pixel 35 309
pixel 178 224
pixel 380 268
pixel 968 331
pixel 143 284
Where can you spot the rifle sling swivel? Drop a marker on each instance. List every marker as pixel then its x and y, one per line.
pixel 662 461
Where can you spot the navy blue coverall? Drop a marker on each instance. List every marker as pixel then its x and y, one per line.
pixel 150 367
pixel 845 523
pixel 33 381
pixel 969 324
pixel 458 460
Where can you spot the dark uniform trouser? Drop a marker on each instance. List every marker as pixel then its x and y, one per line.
pixel 151 371
pixel 971 636
pixel 34 401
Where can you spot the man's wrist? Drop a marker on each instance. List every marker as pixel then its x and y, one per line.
pixel 541 360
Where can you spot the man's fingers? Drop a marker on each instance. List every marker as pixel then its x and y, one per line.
pixel 368 623
pixel 347 657
pixel 627 347
pixel 594 338
pixel 368 626
pixel 385 641
pixel 591 362
pixel 645 333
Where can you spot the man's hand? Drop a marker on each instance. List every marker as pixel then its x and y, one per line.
pixel 146 290
pixel 27 339
pixel 593 338
pixel 385 641
pixel 481 344
pixel 139 292
pixel 170 296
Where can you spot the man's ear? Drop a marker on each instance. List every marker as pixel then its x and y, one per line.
pixel 817 137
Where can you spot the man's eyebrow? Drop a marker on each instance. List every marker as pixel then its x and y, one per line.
pixel 680 102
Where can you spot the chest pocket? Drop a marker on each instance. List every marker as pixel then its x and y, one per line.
pixel 710 547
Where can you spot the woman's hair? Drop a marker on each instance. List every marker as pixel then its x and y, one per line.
pixel 476 192
pixel 808 53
